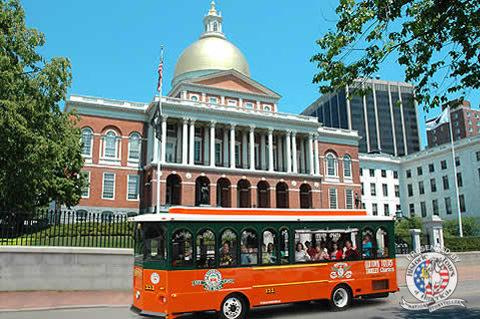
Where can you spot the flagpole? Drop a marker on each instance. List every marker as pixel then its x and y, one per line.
pixel 459 214
pixel 159 117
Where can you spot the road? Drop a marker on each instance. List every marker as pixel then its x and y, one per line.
pixel 374 309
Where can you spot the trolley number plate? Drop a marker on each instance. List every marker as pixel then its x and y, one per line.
pixel 149 287
pixel 270 291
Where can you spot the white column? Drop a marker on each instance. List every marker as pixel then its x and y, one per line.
pixel 252 147
pixel 294 153
pixel 212 144
pixel 232 146
pixel 280 153
pixel 185 142
pixel 192 143
pixel 225 147
pixel 301 165
pixel 310 154
pixel 244 149
pixel 270 150
pixel 164 140
pixel 262 151
pixel 289 152
pixel 316 159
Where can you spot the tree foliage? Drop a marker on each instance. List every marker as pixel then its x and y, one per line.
pixel 403 226
pixel 470 227
pixel 40 147
pixel 437 41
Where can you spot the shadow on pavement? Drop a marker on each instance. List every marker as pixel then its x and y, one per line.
pixel 450 313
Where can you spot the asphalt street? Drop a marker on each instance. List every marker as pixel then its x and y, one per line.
pixel 375 309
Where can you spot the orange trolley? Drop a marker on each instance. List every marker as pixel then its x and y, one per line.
pixel 230 260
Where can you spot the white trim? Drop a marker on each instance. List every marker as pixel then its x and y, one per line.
pixel 103 185
pixel 167 217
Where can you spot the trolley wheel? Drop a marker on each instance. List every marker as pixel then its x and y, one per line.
pixel 341 298
pixel 233 306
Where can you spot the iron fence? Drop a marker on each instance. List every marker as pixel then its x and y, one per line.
pixel 66 228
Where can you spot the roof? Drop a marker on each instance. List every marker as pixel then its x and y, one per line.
pixel 179 213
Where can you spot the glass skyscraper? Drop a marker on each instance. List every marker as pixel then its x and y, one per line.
pixel 385 117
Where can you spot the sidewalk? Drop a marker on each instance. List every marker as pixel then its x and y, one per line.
pixel 37 300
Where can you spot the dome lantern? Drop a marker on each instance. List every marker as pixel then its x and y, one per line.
pixel 211 53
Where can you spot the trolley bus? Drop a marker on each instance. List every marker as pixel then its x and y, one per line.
pixel 230 260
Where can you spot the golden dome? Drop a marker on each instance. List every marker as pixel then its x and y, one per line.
pixel 212 52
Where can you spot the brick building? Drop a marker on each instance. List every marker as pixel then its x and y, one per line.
pixel 224 143
pixel 465 123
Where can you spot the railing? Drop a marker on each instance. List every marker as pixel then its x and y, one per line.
pixel 66 228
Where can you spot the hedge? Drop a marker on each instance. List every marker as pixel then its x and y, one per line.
pixel 458 244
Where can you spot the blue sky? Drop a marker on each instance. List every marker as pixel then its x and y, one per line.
pixel 114 46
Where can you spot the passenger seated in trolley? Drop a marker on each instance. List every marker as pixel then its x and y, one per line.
pixel 300 254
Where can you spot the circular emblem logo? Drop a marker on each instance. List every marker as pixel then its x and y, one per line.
pixel 213 280
pixel 155 278
pixel 431 277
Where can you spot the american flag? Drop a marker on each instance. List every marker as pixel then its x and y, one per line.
pixel 425 277
pixel 160 75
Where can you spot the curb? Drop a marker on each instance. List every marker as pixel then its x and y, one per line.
pixel 63 308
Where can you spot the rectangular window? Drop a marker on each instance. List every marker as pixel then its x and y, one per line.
pixel 443 164
pixel 419 171
pixel 372 172
pixel 238 153
pixel 384 173
pixel 386 209
pixel 395 174
pixel 333 198
pixel 478 154
pixel 435 207
pixel 421 189
pixel 431 168
pixel 363 188
pixel 218 153
pixel 412 209
pixel 410 190
pixel 385 190
pixel 374 209
pixel 198 151
pixel 398 208
pixel 133 182
pixel 108 186
pixel 423 209
pixel 445 182
pixel 373 189
pixel 433 185
pixel 349 198
pixel 461 199
pixel 86 188
pixel 170 153
pixel 457 161
pixel 448 205
pixel 213 100
pixel 459 180
pixel 231 103
pixel 248 105
pixel 397 191
pixel 409 173
pixel 361 171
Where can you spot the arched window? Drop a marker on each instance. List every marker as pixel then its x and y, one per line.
pixel 243 193
pixel 205 249
pixel 284 244
pixel 134 143
pixel 305 196
pixel 269 249
pixel 215 27
pixel 368 244
pixel 228 249
pixel 81 215
pixel 107 216
pixel 331 165
pixel 382 243
pixel 87 141
pixel 174 190
pixel 223 192
pixel 263 194
pixel 249 247
pixel 282 195
pixel 202 191
pixel 110 145
pixel 182 248
pixel 347 166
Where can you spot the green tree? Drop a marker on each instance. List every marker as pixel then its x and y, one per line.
pixel 40 149
pixel 437 41
pixel 470 227
pixel 403 226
